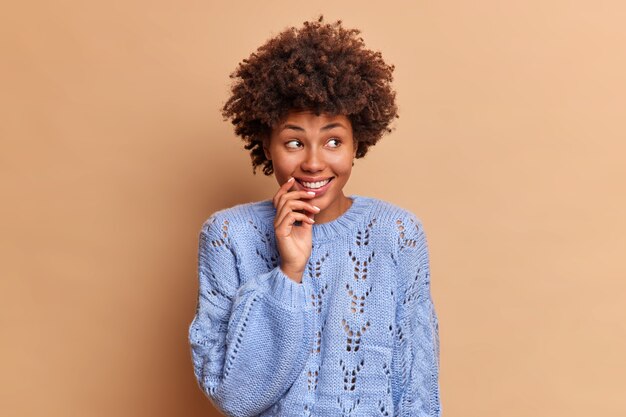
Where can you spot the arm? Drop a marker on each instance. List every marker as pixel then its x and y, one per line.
pixel 248 342
pixel 418 324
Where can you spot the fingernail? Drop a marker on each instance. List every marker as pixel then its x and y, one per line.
pixel 311 192
pixel 290 179
pixel 316 208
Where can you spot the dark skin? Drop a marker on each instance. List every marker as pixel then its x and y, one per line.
pixel 308 147
pixel 294 243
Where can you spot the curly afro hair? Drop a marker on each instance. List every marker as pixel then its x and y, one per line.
pixel 320 67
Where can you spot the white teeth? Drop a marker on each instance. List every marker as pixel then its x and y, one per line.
pixel 314 185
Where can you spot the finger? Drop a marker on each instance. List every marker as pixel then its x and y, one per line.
pixel 293 195
pixel 293 205
pixel 282 190
pixel 284 227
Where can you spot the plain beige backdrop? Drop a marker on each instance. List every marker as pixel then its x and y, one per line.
pixel 510 147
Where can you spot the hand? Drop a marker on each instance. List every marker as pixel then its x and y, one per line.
pixel 294 242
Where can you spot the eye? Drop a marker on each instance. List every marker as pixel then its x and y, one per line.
pixel 338 141
pixel 292 141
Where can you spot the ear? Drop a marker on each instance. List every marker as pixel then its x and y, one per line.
pixel 266 148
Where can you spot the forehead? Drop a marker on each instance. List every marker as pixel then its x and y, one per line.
pixel 307 119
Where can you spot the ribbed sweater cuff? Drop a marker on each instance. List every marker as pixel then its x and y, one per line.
pixel 283 289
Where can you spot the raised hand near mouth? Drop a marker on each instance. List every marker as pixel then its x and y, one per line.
pixel 293 242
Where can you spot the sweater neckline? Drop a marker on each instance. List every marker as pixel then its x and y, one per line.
pixel 332 229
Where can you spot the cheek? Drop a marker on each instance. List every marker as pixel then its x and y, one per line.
pixel 343 165
pixel 283 161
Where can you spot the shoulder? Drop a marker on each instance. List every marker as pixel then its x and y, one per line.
pixel 238 219
pixel 394 216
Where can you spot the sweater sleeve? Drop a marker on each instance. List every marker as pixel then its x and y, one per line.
pixel 248 342
pixel 418 326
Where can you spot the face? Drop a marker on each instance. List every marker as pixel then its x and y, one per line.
pixel 313 149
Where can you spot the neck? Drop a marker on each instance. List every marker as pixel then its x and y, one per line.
pixel 332 212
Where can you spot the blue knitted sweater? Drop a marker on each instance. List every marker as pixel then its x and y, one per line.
pixel 358 337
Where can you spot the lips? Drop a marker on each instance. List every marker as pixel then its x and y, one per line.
pixel 312 179
pixel 317 191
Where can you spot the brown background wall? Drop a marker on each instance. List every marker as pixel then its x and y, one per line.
pixel 510 147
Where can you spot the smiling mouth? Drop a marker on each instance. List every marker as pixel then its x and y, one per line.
pixel 315 185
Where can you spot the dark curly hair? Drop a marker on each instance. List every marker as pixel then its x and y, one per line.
pixel 320 67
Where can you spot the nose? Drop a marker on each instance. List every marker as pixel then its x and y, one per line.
pixel 313 160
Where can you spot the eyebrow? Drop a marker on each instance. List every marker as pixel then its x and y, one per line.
pixel 327 127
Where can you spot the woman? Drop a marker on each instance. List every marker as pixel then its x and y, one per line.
pixel 314 303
